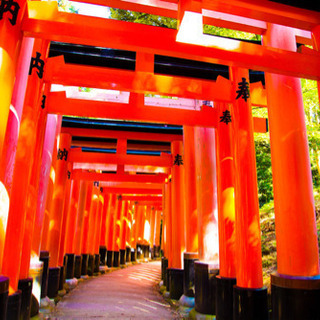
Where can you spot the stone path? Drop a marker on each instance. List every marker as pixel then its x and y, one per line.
pixel 129 293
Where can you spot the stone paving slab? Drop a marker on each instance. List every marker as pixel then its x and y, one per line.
pixel 130 293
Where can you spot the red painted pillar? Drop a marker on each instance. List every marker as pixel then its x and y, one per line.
pixel 168 222
pixel 12 134
pixel 97 232
pixel 49 195
pixel 157 231
pixel 133 242
pixel 249 291
pixel 66 209
pixel 207 195
pixel 103 232
pixel 71 220
pixel 123 232
pixel 152 231
pixel 226 214
pixel 57 204
pixel 296 230
pixel 190 190
pixel 10 44
pixel 116 231
pixel 22 177
pixel 178 221
pixel 109 228
pixel 52 123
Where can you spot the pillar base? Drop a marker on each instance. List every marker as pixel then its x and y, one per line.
pixel 14 306
pixel 122 257
pixel 146 251
pixel 116 259
pixel 164 267
pixel 84 264
pixel 103 255
pixel 25 286
pixel 133 255
pixel 205 287
pixel 175 283
pixel 96 263
pixel 35 306
pixel 44 257
pixel 128 254
pixel 109 258
pixel 188 278
pixel 90 269
pixel 250 304
pixel 53 282
pixel 224 298
pixel 70 265
pixel 139 251
pixel 295 298
pixel 157 251
pixel 62 278
pixel 77 266
pixel 4 291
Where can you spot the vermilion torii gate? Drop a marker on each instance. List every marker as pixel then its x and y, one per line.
pixel 49 201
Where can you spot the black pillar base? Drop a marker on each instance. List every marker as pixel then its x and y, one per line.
pixel 96 263
pixel 25 286
pixel 62 278
pixel 146 251
pixel 188 278
pixel 4 291
pixel 109 258
pixel 122 257
pixel 295 298
pixel 250 304
pixel 224 298
pixel 14 306
pixel 139 252
pixel 128 254
pixel 175 283
pixel 90 269
pixel 53 282
pixel 116 259
pixel 133 255
pixel 103 255
pixel 84 264
pixel 152 249
pixel 164 266
pixel 70 265
pixel 44 257
pixel 157 251
pixel 205 287
pixel 35 306
pixel 77 266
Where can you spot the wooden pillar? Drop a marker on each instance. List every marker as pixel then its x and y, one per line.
pixel 86 220
pixel 296 230
pixel 22 175
pixel 226 214
pixel 10 44
pixel 66 209
pixel 248 293
pixel 47 153
pixel 80 217
pixel 124 223
pixel 152 230
pixel 178 221
pixel 57 204
pixel 168 222
pixel 157 231
pixel 72 217
pixel 190 190
pixel 110 229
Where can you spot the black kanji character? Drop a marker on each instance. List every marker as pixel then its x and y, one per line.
pixel 96 183
pixel 38 64
pixel 178 160
pixel 69 174
pixel 62 153
pixel 12 7
pixel 226 117
pixel 43 102
pixel 243 91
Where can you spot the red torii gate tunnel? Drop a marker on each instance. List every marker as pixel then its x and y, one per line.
pixel 91 182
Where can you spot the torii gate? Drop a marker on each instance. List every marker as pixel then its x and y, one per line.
pixel 281 26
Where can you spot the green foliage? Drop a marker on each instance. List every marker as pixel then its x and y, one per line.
pixel 223 32
pixel 64 5
pixel 143 18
